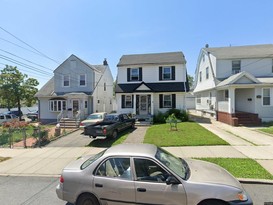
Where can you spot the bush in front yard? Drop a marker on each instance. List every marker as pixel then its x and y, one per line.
pixel 179 114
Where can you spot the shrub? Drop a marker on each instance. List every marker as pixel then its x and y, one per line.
pixel 15 124
pixel 159 118
pixel 179 114
pixel 4 137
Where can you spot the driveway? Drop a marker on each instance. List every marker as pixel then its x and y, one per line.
pixel 75 139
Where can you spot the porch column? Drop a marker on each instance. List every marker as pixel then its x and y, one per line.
pixel 135 105
pixel 231 100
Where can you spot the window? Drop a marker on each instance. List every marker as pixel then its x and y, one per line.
pixel 115 167
pixel 134 74
pixel 203 57
pixel 82 79
pixel 128 101
pixel 147 170
pixel 207 72
pixel 85 104
pixel 57 105
pixel 166 73
pixel 226 95
pixel 198 99
pixel 167 101
pixel 66 80
pixel 104 86
pixel 236 67
pixel 266 97
pixel 200 76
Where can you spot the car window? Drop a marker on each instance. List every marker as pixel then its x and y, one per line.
pixel 2 117
pixel 8 116
pixel 115 167
pixel 148 170
pixel 92 159
pixel 125 117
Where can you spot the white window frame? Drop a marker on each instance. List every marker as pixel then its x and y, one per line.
pixel 134 76
pixel 207 72
pixel 235 69
pixel 128 101
pixel 270 97
pixel 169 105
pixel 81 80
pixel 198 99
pixel 163 72
pixel 64 80
pixel 57 105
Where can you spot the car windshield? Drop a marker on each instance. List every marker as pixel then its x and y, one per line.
pixel 92 159
pixel 111 118
pixel 94 117
pixel 177 165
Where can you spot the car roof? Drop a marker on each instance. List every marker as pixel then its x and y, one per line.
pixel 98 113
pixel 147 150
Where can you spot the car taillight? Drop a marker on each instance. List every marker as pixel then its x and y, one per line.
pixel 81 124
pixel 61 179
pixel 104 131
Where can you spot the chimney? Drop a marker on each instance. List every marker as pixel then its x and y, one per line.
pixel 105 62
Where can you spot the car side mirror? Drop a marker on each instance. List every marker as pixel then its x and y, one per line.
pixel 172 180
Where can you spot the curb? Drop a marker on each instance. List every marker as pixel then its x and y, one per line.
pixel 255 181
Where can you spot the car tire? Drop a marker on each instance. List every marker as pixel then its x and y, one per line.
pixel 87 199
pixel 115 134
pixel 212 202
pixel 133 126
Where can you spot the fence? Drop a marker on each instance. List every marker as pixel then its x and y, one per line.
pixel 23 137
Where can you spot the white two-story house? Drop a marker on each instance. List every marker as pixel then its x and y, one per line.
pixel 235 84
pixel 149 83
pixel 76 90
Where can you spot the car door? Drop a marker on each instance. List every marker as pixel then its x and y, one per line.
pixel 113 182
pixel 151 187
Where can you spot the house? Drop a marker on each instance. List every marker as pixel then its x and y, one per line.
pixel 235 84
pixel 76 90
pixel 151 83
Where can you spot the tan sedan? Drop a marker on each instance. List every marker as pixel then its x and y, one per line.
pixel 146 174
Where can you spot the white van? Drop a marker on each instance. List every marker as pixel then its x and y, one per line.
pixel 7 118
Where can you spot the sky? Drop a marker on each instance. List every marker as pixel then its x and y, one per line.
pixel 37 36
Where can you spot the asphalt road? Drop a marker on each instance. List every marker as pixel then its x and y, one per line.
pixel 41 190
pixel 75 139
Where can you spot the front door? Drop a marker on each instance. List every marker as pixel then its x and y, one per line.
pixel 75 105
pixel 143 105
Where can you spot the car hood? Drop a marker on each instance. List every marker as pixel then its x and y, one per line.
pixel 206 172
pixel 76 165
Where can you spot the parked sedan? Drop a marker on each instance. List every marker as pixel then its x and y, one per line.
pixel 93 119
pixel 146 174
pixel 7 118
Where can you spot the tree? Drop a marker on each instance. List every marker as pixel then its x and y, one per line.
pixel 190 80
pixel 16 87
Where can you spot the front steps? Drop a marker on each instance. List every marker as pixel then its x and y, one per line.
pixel 143 120
pixel 248 119
pixel 68 123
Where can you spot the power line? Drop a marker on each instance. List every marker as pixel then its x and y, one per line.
pixel 42 54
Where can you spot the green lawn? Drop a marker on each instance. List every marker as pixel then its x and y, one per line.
pixel 268 127
pixel 108 142
pixel 241 167
pixel 188 134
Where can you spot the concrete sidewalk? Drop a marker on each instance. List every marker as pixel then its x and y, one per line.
pixel 49 161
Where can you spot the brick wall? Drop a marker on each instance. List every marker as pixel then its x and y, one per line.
pixel 227 118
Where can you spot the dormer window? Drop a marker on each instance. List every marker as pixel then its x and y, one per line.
pixel 66 81
pixel 236 66
pixel 134 74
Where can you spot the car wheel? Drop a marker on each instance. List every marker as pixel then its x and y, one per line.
pixel 212 202
pixel 115 134
pixel 87 199
pixel 133 125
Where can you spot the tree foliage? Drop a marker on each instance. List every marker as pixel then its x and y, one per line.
pixel 190 80
pixel 16 87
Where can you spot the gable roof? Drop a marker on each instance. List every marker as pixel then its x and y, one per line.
pixel 47 89
pixel 236 79
pixel 233 52
pixel 152 58
pixel 152 87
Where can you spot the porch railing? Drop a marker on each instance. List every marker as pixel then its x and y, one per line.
pixel 61 115
pixel 223 106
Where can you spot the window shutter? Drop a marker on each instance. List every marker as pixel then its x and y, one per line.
pixel 132 101
pixel 160 73
pixel 173 101
pixel 161 101
pixel 173 72
pixel 128 74
pixel 123 101
pixel 140 74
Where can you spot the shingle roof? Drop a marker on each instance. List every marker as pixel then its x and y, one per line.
pixel 233 52
pixel 152 58
pixel 47 89
pixel 154 87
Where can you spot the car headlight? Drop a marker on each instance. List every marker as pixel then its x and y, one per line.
pixel 242 196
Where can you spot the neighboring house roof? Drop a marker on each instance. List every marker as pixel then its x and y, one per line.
pixel 265 80
pixel 233 52
pixel 152 87
pixel 152 58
